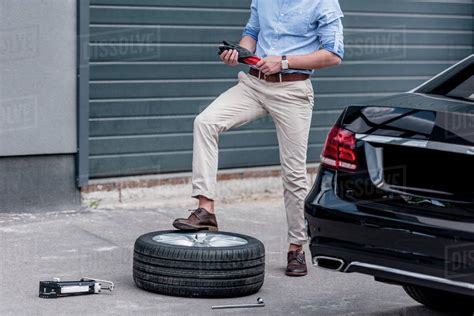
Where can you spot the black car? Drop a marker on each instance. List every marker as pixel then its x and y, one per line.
pixel 394 195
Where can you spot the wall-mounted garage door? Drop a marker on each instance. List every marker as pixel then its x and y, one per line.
pixel 154 67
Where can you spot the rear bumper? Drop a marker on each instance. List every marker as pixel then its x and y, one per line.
pixel 392 246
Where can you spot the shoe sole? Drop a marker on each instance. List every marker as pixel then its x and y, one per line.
pixel 296 274
pixel 188 227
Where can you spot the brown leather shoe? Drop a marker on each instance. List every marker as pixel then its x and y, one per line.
pixel 200 219
pixel 296 264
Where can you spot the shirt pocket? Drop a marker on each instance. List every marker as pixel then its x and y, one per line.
pixel 296 22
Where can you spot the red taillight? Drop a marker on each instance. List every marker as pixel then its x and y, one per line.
pixel 339 152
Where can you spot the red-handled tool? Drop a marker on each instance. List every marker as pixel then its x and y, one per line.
pixel 245 56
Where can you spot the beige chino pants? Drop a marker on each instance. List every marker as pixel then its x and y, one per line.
pixel 290 104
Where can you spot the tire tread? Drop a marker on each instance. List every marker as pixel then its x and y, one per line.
pixel 198 271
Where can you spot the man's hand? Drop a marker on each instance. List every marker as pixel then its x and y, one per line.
pixel 270 65
pixel 230 57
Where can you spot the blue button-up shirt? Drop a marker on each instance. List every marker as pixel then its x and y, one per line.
pixel 296 27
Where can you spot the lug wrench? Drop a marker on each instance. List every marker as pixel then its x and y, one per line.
pixel 260 303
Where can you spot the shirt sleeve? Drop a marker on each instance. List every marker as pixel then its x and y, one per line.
pixel 253 26
pixel 330 30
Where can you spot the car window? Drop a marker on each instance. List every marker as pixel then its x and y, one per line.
pixel 464 90
pixel 456 82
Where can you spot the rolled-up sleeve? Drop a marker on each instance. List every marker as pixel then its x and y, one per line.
pixel 330 29
pixel 253 26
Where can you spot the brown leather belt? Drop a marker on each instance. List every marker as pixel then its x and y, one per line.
pixel 279 77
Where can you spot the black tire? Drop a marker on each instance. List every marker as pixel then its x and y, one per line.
pixel 440 300
pixel 193 271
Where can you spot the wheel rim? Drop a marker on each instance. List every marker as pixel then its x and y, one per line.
pixel 200 239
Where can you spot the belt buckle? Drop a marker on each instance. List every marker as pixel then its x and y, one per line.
pixel 280 76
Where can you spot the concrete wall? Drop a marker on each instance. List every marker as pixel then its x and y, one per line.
pixel 38 184
pixel 37 77
pixel 38 105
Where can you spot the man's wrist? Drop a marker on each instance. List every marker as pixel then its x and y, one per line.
pixel 249 43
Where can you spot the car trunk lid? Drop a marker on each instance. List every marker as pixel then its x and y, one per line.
pixel 417 155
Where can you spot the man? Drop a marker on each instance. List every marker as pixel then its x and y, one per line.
pixel 293 38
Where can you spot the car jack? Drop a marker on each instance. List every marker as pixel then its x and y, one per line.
pixel 58 288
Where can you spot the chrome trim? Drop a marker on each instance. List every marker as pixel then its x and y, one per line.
pixel 415 275
pixel 447 147
pixel 379 139
pixel 374 159
pixel 341 262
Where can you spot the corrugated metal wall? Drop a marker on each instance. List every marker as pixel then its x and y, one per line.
pixel 154 67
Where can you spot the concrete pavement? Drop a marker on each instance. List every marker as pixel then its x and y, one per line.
pixel 99 243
